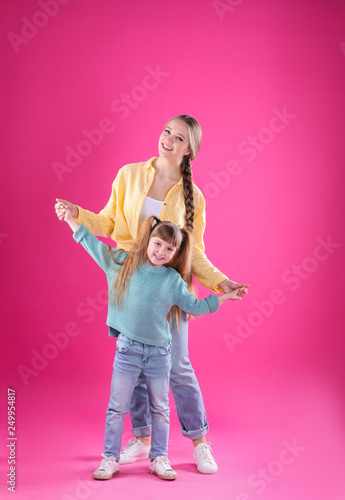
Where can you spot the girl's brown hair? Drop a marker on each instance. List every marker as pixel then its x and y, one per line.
pixel 181 261
pixel 194 133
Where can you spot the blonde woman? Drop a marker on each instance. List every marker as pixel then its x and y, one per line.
pixel 163 186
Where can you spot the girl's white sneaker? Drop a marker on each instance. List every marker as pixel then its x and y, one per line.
pixel 161 467
pixel 107 469
pixel 205 462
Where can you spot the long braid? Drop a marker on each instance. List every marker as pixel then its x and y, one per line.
pixel 194 136
pixel 187 181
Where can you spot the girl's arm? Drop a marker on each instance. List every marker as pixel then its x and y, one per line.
pixel 98 250
pixel 235 294
pixel 188 303
pixel 66 215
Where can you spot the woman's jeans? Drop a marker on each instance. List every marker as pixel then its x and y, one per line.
pixel 185 388
pixel 132 360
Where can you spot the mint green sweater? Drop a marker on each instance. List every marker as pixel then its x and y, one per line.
pixel 151 294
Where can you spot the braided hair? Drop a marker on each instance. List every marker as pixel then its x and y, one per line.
pixel 187 182
pixel 194 132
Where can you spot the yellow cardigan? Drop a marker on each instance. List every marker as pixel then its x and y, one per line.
pixel 120 217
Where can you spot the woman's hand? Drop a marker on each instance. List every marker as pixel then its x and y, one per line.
pixel 236 294
pixel 60 206
pixel 228 286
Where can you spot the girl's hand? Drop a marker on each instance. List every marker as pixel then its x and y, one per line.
pixel 228 286
pixel 233 295
pixel 60 206
pixel 66 215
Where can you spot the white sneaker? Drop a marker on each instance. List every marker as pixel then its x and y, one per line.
pixel 161 467
pixel 133 451
pixel 205 463
pixel 108 468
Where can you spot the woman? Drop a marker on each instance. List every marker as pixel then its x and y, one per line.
pixel 163 187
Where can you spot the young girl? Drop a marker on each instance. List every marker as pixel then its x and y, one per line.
pixel 145 290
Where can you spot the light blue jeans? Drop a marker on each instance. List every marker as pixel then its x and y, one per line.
pixel 132 360
pixel 185 388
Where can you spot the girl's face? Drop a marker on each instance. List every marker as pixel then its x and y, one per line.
pixel 173 143
pixel 159 252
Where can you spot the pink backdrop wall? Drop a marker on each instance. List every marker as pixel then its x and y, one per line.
pixel 266 81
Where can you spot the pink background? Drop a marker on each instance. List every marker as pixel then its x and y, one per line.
pixel 274 203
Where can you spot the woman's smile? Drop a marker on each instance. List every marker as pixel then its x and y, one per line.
pixel 166 147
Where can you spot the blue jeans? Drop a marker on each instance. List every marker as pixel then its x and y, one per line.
pixel 132 360
pixel 185 388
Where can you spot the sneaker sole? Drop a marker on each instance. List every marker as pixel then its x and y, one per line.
pixel 131 460
pixel 103 478
pixel 207 472
pixel 165 478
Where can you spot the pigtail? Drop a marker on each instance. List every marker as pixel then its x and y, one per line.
pixel 135 258
pixel 182 263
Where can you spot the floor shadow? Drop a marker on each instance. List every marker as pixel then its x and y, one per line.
pixel 186 467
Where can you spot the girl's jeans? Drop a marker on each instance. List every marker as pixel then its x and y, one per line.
pixel 185 388
pixel 132 360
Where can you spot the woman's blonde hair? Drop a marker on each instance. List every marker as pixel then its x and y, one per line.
pixel 181 261
pixel 194 136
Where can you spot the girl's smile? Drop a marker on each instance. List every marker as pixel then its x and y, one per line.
pixel 159 252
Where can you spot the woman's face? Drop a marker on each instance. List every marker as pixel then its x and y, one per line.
pixel 173 143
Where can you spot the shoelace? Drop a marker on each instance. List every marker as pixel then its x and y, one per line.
pixel 162 460
pixel 106 462
pixel 132 443
pixel 206 453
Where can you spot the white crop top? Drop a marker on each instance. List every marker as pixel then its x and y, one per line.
pixel 150 207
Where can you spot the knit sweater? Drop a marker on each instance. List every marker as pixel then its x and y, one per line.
pixel 151 293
